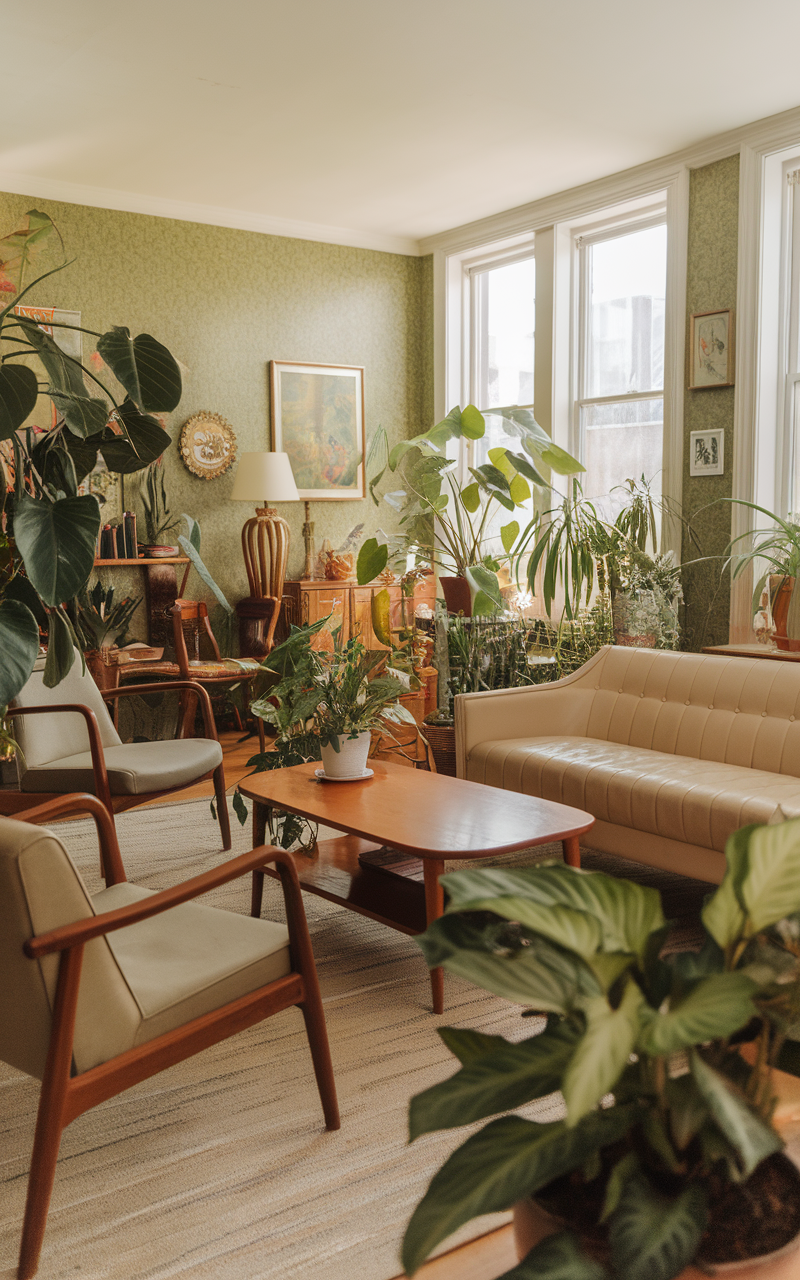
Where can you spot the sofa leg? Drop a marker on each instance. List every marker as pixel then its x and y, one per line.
pixel 572 851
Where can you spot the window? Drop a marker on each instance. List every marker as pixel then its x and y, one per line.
pixel 789 393
pixel 619 406
pixel 502 331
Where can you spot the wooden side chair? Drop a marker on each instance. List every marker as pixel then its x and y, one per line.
pixel 198 657
pixel 143 980
pixel 70 744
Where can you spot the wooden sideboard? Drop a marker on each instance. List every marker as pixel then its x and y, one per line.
pixel 307 600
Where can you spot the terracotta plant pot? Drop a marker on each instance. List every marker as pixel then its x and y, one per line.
pixel 457 595
pixel 780 595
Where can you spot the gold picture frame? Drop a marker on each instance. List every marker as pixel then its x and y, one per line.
pixel 317 417
pixel 207 445
pixel 711 347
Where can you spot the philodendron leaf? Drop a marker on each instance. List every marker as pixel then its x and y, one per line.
pixel 84 415
pixel 372 560
pixel 146 369
pixel 526 468
pixel 743 1128
pixel 18 392
pixel 471 498
pixel 519 490
pixel 653 1237
pixel 714 1009
pixel 509 534
pixel 483 581
pixel 61 645
pixel 626 912
pixel 723 913
pixel 19 645
pixel 575 930
pixel 505 1078
pixel 557 1257
pixel 146 440
pixel 537 974
pixel 771 888
pixel 473 423
pixel 57 542
pixel 603 1051
pixel 506 1160
pixel 468 1045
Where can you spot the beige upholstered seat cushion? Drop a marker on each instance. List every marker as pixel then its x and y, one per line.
pixel 698 802
pixel 134 768
pixel 191 959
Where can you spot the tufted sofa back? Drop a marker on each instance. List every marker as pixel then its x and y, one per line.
pixel 741 711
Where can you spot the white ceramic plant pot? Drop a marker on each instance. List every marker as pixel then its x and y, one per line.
pixel 351 758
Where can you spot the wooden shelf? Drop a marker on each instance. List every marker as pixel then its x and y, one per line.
pixel 107 564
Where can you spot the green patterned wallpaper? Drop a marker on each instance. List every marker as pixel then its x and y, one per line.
pixel 710 284
pixel 226 302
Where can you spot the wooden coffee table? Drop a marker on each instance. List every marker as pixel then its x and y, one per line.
pixel 400 827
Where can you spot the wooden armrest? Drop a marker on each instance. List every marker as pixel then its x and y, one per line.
pixel 80 802
pixel 162 686
pixel 81 931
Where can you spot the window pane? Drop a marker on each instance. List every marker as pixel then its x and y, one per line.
pixel 627 286
pixel 504 338
pixel 622 442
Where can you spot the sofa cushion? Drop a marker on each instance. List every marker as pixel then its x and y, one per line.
pixel 134 768
pixel 697 802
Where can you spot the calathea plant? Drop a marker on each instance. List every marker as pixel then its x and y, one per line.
pixel 447 523
pixel 667 1124
pixel 52 528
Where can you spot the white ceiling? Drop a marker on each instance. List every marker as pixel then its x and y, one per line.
pixel 373 122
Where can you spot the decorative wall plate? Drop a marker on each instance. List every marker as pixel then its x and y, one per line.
pixel 207 445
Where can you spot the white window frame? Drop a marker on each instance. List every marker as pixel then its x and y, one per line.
pixel 762 412
pixel 552 225
pixel 584 241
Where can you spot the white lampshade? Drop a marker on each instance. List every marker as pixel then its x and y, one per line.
pixel 265 477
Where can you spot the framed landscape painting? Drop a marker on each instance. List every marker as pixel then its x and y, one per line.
pixel 317 417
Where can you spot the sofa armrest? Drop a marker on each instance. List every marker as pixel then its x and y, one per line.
pixel 538 710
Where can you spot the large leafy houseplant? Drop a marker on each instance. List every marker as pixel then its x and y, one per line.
pixel 777 547
pixel 447 523
pixel 49 528
pixel 665 1117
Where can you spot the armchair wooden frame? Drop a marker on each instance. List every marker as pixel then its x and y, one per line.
pixel 18 802
pixel 65 1096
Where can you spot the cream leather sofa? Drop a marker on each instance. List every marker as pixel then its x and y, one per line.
pixel 671 752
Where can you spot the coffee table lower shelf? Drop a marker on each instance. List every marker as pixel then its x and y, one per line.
pixel 394 897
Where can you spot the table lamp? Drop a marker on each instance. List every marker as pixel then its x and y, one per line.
pixel 267 478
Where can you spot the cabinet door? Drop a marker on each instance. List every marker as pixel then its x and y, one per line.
pixel 332 599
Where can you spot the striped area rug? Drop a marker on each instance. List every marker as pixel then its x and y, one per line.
pixel 221 1168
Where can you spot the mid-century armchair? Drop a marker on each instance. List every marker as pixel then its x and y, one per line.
pixel 143 980
pixel 70 744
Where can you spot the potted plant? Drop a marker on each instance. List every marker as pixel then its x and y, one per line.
pixel 100 623
pixel 667 1154
pixel 447 523
pixel 52 526
pixel 331 700
pixel 778 547
pixel 158 518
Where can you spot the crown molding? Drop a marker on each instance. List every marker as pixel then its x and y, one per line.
pixel 210 215
pixel 767 134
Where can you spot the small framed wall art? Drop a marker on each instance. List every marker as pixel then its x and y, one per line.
pixel 706 453
pixel 207 445
pixel 711 350
pixel 317 417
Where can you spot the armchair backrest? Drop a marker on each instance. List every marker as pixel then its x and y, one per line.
pixel 47 738
pixel 40 889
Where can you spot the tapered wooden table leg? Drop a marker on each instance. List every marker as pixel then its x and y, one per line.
pixel 434 907
pixel 572 851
